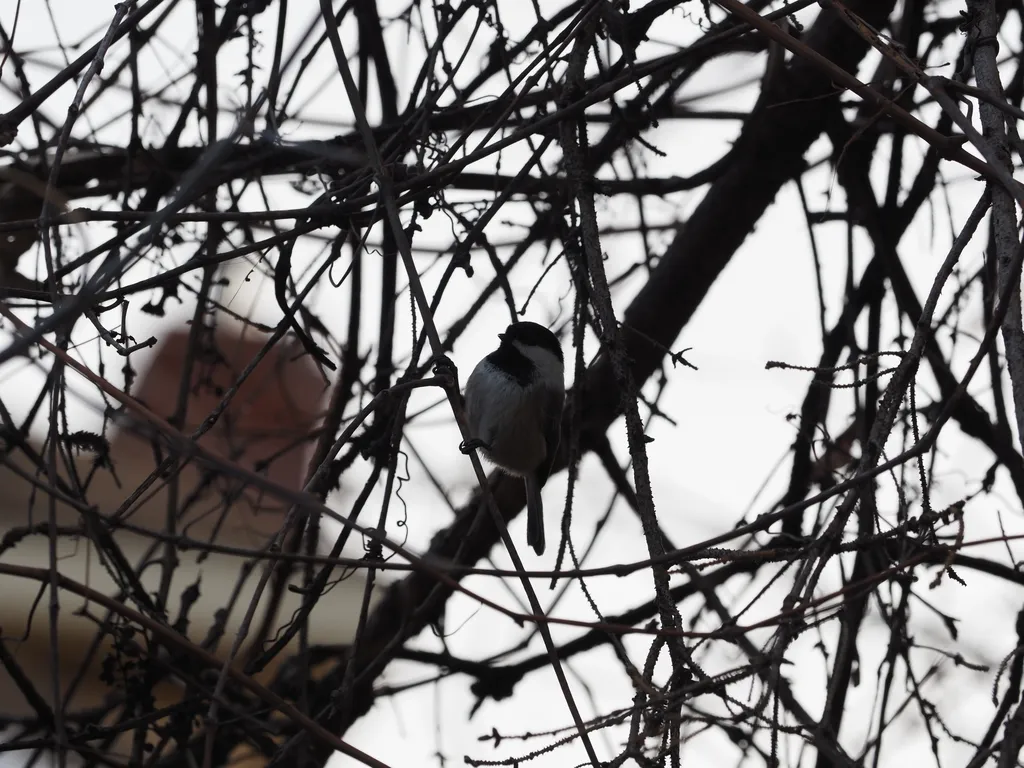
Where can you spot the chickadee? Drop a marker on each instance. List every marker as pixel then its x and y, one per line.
pixel 514 403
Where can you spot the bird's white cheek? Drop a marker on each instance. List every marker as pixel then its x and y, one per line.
pixel 550 370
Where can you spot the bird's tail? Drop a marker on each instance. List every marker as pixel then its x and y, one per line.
pixel 534 515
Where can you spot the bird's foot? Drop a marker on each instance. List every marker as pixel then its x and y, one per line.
pixel 468 446
pixel 445 369
pixel 443 364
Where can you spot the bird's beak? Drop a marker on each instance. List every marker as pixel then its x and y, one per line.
pixel 501 336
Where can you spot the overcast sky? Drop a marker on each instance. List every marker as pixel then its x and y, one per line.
pixel 725 458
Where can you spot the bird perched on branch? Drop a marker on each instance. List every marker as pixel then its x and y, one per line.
pixel 514 400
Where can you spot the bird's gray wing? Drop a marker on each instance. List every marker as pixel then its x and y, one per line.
pixel 552 420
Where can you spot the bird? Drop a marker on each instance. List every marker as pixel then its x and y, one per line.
pixel 514 399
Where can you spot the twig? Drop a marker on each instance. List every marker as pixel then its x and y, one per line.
pixel 982 39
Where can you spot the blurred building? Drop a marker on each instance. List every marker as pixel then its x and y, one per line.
pixel 269 420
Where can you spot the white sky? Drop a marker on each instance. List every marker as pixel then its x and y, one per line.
pixel 731 413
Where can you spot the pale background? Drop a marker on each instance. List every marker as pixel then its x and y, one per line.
pixel 709 472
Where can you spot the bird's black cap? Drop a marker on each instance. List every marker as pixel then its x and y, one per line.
pixel 532 334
